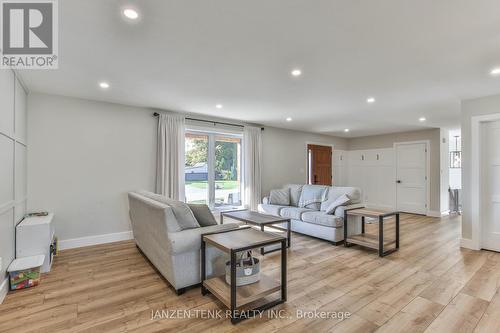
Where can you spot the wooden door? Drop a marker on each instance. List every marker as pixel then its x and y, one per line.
pixel 411 178
pixel 319 164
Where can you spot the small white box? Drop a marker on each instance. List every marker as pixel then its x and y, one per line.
pixel 34 236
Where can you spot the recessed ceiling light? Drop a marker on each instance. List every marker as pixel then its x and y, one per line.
pixel 422 119
pixel 296 72
pixel 219 106
pixel 131 13
pixel 288 119
pixel 346 130
pixel 104 85
pixel 495 71
pixel 370 100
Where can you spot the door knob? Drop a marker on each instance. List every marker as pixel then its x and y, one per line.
pixel 398 181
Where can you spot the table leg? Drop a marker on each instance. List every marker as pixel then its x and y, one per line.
pixel 283 271
pixel 381 236
pixel 289 233
pixel 221 218
pixel 362 224
pixel 262 252
pixel 397 231
pixel 345 228
pixel 234 319
pixel 203 267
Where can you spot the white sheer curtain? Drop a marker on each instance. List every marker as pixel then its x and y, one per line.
pixel 170 156
pixel 252 152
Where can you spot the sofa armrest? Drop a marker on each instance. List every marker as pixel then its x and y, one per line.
pixel 265 200
pixel 341 209
pixel 190 240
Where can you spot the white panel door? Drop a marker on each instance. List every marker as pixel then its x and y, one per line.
pixel 490 186
pixel 411 181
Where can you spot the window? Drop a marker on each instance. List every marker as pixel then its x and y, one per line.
pixel 213 173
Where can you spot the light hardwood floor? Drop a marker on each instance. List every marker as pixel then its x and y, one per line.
pixel 430 285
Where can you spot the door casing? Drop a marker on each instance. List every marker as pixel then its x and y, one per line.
pixel 307 144
pixel 475 242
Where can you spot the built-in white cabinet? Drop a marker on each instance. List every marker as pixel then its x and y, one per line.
pixel 7 103
pixel 20 113
pixel 339 168
pixel 373 171
pixel 13 149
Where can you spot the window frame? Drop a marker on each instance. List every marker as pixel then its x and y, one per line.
pixel 212 134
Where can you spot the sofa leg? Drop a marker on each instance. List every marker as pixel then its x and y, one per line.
pixel 180 291
pixel 338 243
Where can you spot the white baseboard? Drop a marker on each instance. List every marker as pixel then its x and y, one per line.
pixel 468 244
pixel 95 240
pixel 4 289
pixel 435 213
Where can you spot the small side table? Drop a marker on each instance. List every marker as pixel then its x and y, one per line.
pixel 261 221
pixel 372 241
pixel 232 242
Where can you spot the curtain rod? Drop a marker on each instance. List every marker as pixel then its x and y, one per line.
pixel 156 114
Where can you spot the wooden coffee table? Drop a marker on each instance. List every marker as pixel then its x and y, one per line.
pixel 235 298
pixel 260 220
pixel 372 241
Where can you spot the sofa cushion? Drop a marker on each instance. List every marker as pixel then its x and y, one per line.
pixel 270 209
pixel 203 215
pixel 295 191
pixel 182 212
pixel 312 196
pixel 323 219
pixel 280 197
pixel 190 240
pixel 334 192
pixel 294 213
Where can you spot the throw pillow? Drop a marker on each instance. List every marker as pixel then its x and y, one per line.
pixel 203 215
pixel 182 212
pixel 340 201
pixel 280 197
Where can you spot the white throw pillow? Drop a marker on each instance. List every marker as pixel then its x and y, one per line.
pixel 280 197
pixel 340 201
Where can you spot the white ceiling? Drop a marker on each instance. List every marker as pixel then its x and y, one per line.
pixel 416 57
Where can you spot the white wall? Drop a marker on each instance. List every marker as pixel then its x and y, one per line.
pixel 84 158
pixel 285 156
pixel 13 193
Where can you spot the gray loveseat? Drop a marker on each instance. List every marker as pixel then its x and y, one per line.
pixel 313 221
pixel 175 253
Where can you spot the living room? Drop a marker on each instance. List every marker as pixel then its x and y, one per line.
pixel 250 167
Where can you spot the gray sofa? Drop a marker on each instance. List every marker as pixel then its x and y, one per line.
pixel 313 221
pixel 175 253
